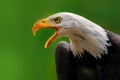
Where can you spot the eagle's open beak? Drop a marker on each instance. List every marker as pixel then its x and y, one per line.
pixel 45 24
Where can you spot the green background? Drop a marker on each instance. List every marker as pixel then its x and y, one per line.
pixel 23 56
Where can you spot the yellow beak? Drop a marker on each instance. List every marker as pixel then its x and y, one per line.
pixel 45 24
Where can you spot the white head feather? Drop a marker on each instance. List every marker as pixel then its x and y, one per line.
pixel 84 35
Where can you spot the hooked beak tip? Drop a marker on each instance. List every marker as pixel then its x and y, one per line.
pixel 34 31
pixel 34 34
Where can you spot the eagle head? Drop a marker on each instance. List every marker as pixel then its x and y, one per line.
pixel 84 35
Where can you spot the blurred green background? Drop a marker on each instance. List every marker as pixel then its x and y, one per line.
pixel 23 56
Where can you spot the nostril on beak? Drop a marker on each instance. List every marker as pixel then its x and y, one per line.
pixel 43 21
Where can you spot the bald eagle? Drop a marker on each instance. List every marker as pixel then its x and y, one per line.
pixel 93 52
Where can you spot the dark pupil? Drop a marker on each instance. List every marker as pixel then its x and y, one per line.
pixel 57 20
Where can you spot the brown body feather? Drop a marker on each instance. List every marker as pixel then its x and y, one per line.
pixel 87 67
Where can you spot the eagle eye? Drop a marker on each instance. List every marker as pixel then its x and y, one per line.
pixel 58 20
